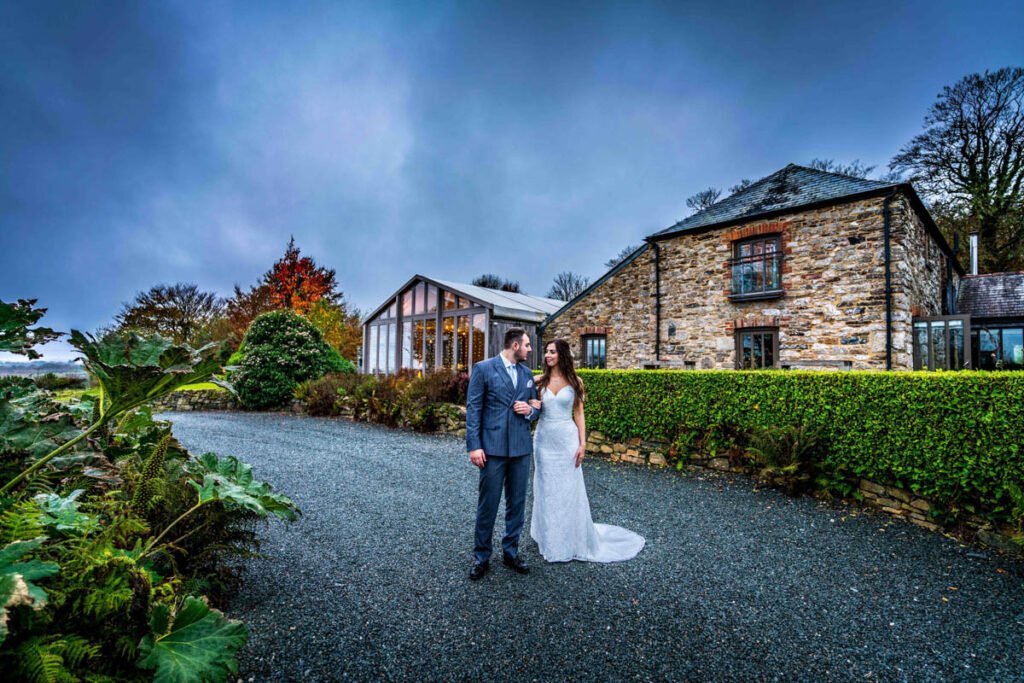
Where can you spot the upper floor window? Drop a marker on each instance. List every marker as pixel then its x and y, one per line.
pixel 757 268
pixel 594 347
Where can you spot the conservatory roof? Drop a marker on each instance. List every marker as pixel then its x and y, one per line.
pixel 510 305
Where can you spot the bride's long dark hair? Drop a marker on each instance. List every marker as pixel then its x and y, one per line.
pixel 568 369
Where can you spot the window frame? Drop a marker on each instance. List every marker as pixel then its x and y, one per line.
pixel 740 333
pixel 736 261
pixel 928 321
pixel 585 355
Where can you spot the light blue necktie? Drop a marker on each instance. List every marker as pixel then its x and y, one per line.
pixel 512 373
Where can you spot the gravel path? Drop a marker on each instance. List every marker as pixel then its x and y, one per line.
pixel 734 584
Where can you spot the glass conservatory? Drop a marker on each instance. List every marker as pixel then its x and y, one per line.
pixel 432 323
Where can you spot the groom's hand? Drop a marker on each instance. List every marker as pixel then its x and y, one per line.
pixel 478 458
pixel 521 408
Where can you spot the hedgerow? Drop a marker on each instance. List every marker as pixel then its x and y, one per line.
pixel 954 438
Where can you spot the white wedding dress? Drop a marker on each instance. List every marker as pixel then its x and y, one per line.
pixel 561 523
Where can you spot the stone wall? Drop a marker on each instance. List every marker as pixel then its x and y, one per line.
pixel 888 500
pixel 832 312
pixel 184 401
pixel 919 276
pixel 621 307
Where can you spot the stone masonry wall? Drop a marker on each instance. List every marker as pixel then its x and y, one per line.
pixel 183 401
pixel 918 278
pixel 885 499
pixel 832 313
pixel 622 307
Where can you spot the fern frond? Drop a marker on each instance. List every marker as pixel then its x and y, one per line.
pixel 23 522
pixel 38 663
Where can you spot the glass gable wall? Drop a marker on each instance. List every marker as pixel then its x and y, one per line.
pixel 426 327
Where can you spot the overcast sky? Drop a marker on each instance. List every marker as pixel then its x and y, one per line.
pixel 145 143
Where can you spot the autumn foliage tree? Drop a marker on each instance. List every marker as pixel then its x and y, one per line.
pixel 296 282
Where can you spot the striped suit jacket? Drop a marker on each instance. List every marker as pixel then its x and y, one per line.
pixel 491 423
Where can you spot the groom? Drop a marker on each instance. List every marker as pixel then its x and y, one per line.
pixel 499 443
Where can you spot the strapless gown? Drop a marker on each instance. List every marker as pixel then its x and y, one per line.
pixel 561 523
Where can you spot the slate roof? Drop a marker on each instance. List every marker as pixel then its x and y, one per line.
pixel 998 295
pixel 792 187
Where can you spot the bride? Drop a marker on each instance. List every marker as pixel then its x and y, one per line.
pixel 561 523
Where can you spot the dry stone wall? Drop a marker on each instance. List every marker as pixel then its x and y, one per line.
pixel 889 500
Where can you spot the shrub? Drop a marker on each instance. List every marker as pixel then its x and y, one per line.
pixel 784 457
pixel 54 382
pixel 405 398
pixel 954 438
pixel 321 395
pixel 93 583
pixel 280 350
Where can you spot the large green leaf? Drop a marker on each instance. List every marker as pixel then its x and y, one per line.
pixel 61 513
pixel 231 480
pixel 31 423
pixel 15 335
pixel 199 646
pixel 16 579
pixel 132 370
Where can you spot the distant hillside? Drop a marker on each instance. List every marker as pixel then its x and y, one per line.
pixel 41 367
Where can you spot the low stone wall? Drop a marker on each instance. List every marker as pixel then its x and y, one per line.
pixel 886 499
pixel 184 401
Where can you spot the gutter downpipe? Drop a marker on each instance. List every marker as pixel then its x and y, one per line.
pixel 888 279
pixel 657 303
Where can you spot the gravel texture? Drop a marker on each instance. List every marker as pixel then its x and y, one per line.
pixel 734 583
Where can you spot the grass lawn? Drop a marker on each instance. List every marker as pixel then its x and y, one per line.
pixel 67 394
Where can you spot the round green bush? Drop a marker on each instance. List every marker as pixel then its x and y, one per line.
pixel 280 350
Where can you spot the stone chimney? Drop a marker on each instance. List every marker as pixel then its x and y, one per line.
pixel 974 253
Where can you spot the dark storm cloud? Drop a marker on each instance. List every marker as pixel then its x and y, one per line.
pixel 162 142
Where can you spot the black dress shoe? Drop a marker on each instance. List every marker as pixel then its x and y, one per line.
pixel 478 570
pixel 516 563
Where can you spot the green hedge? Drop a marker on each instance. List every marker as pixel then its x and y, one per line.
pixel 955 438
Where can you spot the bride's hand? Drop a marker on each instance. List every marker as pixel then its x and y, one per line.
pixel 535 403
pixel 580 452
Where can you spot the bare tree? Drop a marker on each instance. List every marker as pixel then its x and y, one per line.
pixel 854 168
pixel 179 311
pixel 567 286
pixel 703 199
pixel 741 185
pixel 971 156
pixel 614 261
pixel 492 281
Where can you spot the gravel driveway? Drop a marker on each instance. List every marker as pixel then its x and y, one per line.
pixel 734 584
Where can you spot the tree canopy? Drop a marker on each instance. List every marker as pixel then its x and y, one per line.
pixel 180 312
pixel 969 161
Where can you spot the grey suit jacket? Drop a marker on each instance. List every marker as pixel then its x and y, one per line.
pixel 491 423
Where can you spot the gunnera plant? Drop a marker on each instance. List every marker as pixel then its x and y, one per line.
pixel 280 350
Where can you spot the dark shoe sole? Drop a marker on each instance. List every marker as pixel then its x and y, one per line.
pixel 517 570
pixel 477 577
